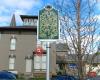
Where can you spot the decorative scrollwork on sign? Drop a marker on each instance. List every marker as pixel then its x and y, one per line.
pixel 48 23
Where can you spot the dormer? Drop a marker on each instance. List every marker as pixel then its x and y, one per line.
pixel 29 20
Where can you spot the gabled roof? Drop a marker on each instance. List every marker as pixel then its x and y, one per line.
pixel 69 58
pixel 61 47
pixel 13 21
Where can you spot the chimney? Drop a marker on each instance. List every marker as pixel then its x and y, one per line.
pixel 13 21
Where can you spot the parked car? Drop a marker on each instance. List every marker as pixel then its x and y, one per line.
pixel 91 74
pixel 63 77
pixel 5 75
pixel 93 78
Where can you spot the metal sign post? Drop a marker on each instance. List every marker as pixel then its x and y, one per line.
pixel 48 61
pixel 48 30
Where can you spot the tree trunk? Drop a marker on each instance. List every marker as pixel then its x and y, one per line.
pixel 80 62
pixel 80 68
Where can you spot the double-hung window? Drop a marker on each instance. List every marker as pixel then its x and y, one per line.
pixel 13 43
pixel 12 61
pixel 40 62
pixel 28 63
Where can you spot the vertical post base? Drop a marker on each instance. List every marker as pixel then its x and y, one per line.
pixel 48 70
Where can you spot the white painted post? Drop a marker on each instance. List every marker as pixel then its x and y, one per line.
pixel 48 69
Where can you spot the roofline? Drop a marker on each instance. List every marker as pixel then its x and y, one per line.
pixel 18 28
pixel 28 16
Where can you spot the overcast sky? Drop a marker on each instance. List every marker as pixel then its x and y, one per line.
pixel 24 7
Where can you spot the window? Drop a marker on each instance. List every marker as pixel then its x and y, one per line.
pixel 25 22
pixel 40 63
pixel 28 65
pixel 13 43
pixel 43 67
pixel 28 59
pixel 35 22
pixel 30 22
pixel 11 61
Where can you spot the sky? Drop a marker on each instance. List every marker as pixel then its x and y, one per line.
pixel 26 7
pixel 19 7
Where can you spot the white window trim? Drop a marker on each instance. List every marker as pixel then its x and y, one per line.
pixel 11 63
pixel 31 22
pixel 40 63
pixel 28 65
pixel 13 43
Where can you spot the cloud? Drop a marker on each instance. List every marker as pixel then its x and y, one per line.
pixel 27 4
pixel 3 9
pixel 20 3
pixel 98 5
pixel 9 3
pixel 98 17
pixel 17 7
pixel 98 0
pixel 4 20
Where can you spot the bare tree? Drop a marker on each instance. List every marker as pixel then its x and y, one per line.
pixel 79 28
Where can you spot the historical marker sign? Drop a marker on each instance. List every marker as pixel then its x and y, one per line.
pixel 48 28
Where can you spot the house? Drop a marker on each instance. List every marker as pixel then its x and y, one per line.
pixel 18 45
pixel 93 65
pixel 67 63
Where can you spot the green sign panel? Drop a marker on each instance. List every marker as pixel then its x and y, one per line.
pixel 48 28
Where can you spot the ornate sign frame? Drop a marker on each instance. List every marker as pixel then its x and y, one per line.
pixel 48 25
